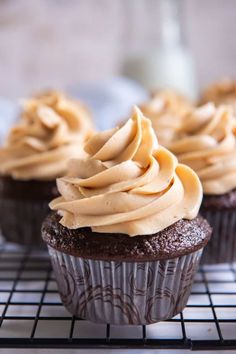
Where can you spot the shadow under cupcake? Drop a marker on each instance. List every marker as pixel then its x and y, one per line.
pixel 52 129
pixel 125 238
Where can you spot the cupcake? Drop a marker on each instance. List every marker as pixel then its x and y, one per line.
pixel 51 130
pixel 221 92
pixel 166 108
pixel 207 144
pixel 124 236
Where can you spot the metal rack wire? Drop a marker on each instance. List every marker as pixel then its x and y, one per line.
pixel 32 315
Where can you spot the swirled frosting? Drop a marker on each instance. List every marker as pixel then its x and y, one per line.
pixel 52 130
pixel 221 92
pixel 207 143
pixel 166 109
pixel 127 184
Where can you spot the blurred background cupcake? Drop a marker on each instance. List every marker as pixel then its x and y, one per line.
pixel 166 109
pixel 220 92
pixel 207 143
pixel 52 128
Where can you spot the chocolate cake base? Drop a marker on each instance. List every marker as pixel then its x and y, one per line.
pixel 27 190
pixel 220 202
pixel 183 237
pixel 23 207
pixel 117 279
pixel 220 211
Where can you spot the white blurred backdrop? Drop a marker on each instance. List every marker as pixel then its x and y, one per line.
pixel 69 42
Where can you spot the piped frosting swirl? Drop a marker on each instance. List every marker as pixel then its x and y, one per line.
pixel 127 184
pixel 53 129
pixel 221 92
pixel 166 108
pixel 207 143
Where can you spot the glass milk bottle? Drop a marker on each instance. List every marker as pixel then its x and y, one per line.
pixel 170 64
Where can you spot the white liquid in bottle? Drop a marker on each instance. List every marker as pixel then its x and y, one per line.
pixel 171 64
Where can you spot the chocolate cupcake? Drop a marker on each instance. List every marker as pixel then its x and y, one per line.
pixel 126 239
pixel 52 129
pixel 207 144
pixel 166 109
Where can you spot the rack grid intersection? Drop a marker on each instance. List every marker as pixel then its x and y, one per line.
pixel 32 315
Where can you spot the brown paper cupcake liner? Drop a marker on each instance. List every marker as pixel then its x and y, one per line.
pixel 222 246
pixel 131 293
pixel 21 220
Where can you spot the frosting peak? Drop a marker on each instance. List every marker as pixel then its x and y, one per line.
pixel 127 184
pixel 166 108
pixel 52 129
pixel 207 143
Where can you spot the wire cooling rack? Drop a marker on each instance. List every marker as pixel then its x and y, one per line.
pixel 32 315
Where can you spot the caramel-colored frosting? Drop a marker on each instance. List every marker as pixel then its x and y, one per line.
pixel 51 131
pixel 166 109
pixel 221 92
pixel 127 184
pixel 207 144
